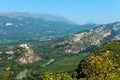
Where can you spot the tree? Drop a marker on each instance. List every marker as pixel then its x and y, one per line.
pixel 100 65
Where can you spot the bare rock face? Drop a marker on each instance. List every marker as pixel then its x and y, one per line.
pixel 10 52
pixel 89 39
pixel 28 55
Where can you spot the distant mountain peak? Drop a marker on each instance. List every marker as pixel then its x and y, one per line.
pixel 44 16
pixel 91 23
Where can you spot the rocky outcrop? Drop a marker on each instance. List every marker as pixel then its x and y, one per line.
pixel 90 39
pixel 10 52
pixel 28 56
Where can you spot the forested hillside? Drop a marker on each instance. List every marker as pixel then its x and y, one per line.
pixel 103 62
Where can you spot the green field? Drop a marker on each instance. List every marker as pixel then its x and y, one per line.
pixel 22 74
pixel 65 64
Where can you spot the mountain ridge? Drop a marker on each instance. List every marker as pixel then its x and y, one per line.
pixel 23 26
pixel 46 17
pixel 89 39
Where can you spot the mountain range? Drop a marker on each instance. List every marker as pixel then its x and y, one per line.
pixel 31 44
pixel 33 26
pixel 41 27
pixel 89 39
pixel 82 42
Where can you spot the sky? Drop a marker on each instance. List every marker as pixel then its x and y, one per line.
pixel 79 11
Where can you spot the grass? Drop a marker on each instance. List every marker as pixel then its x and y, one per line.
pixel 22 74
pixel 3 72
pixel 65 64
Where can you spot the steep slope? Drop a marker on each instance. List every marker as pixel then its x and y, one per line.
pixel 103 62
pixel 26 26
pixel 22 54
pixel 28 55
pixel 90 39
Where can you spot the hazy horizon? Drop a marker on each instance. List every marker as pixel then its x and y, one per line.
pixel 81 12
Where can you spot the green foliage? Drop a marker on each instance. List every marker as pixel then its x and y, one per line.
pixel 64 64
pixel 58 76
pixel 66 76
pixel 22 74
pixel 102 63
